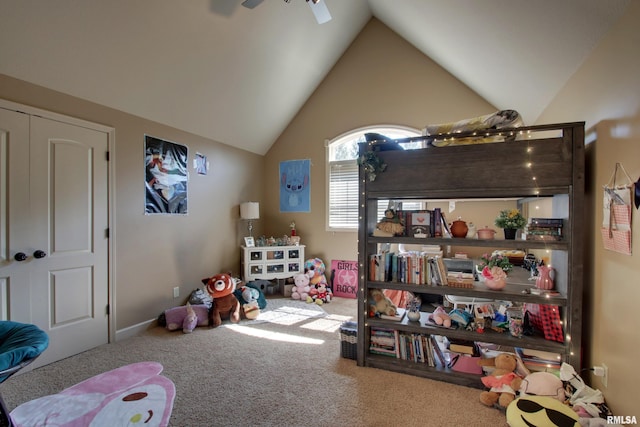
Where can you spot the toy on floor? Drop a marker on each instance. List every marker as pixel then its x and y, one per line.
pixel 381 304
pixel 503 381
pixel 225 303
pixel 542 384
pixel 187 317
pixel 320 294
pixel 301 288
pixel 540 411
pixel 250 308
pixel 315 268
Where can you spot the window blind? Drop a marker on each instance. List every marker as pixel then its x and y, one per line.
pixel 343 187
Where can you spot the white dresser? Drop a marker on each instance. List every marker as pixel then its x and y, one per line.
pixel 272 262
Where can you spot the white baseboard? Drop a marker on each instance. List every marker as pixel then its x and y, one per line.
pixel 135 329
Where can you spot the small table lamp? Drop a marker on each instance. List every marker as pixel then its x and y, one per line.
pixel 250 211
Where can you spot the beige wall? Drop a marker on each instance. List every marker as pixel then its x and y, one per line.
pixel 605 92
pixel 381 79
pixel 155 253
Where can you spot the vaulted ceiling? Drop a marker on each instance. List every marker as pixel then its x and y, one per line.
pixel 239 75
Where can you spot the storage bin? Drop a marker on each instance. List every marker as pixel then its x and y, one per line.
pixel 349 340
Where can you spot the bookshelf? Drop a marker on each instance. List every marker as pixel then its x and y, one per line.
pixel 545 161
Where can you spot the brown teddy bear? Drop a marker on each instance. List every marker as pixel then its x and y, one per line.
pixel 225 303
pixel 503 381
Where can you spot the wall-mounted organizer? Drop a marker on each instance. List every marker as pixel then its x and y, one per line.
pixel 544 161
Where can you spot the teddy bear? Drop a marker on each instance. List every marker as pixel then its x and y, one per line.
pixel 225 304
pixel 503 380
pixel 315 268
pixel 186 317
pixel 381 304
pixel 301 288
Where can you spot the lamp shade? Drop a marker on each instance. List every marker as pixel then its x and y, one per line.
pixel 250 210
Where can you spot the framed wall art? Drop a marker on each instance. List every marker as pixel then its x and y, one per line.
pixel 166 177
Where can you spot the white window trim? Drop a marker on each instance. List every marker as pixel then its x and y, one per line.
pixel 328 142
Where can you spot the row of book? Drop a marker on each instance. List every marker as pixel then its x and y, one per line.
pixel 408 267
pixel 545 229
pixel 412 347
pixel 437 351
pixel 420 268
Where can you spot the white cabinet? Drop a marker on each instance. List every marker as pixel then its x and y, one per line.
pixel 272 262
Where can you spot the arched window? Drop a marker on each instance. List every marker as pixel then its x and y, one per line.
pixel 342 173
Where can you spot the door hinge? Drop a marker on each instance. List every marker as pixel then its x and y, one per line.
pixel 107 155
pixel 106 233
pixel 108 310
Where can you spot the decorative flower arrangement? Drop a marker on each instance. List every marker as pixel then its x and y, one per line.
pixel 495 260
pixel 493 273
pixel 510 218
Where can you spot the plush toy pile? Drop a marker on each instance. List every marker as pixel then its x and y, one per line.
pixel 541 398
pixel 319 290
pixel 223 298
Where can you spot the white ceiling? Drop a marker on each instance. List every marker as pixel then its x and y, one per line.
pixel 239 76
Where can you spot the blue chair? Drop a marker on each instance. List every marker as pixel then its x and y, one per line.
pixel 20 344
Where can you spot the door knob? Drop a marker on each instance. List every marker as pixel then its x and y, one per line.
pixel 20 256
pixel 39 254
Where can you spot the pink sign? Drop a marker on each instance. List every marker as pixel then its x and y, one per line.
pixel 344 278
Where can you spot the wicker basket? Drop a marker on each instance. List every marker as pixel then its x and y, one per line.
pixel 457 283
pixel 348 340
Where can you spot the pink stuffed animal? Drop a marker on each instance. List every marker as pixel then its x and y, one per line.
pixel 440 317
pixel 301 288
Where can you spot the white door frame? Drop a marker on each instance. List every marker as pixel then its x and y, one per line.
pixel 111 132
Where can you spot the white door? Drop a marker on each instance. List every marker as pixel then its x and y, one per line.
pixel 62 286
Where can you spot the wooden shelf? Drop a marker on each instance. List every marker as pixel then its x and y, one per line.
pixel 478 173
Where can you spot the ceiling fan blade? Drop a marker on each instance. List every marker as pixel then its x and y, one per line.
pixel 320 11
pixel 251 3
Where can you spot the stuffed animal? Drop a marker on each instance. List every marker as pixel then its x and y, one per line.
pixel 381 304
pixel 187 317
pixel 315 268
pixel 320 294
pixel 301 288
pixel 542 384
pixel 250 308
pixel 503 381
pixel 225 303
pixel 543 411
pixel 440 317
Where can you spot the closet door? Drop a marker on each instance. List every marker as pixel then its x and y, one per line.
pixel 62 285
pixel 14 216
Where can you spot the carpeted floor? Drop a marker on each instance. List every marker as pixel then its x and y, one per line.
pixel 284 372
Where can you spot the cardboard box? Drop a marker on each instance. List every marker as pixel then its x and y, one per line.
pixel 287 290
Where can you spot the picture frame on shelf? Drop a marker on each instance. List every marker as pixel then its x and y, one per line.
pixel 249 242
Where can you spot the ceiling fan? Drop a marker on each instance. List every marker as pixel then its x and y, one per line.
pixel 318 7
